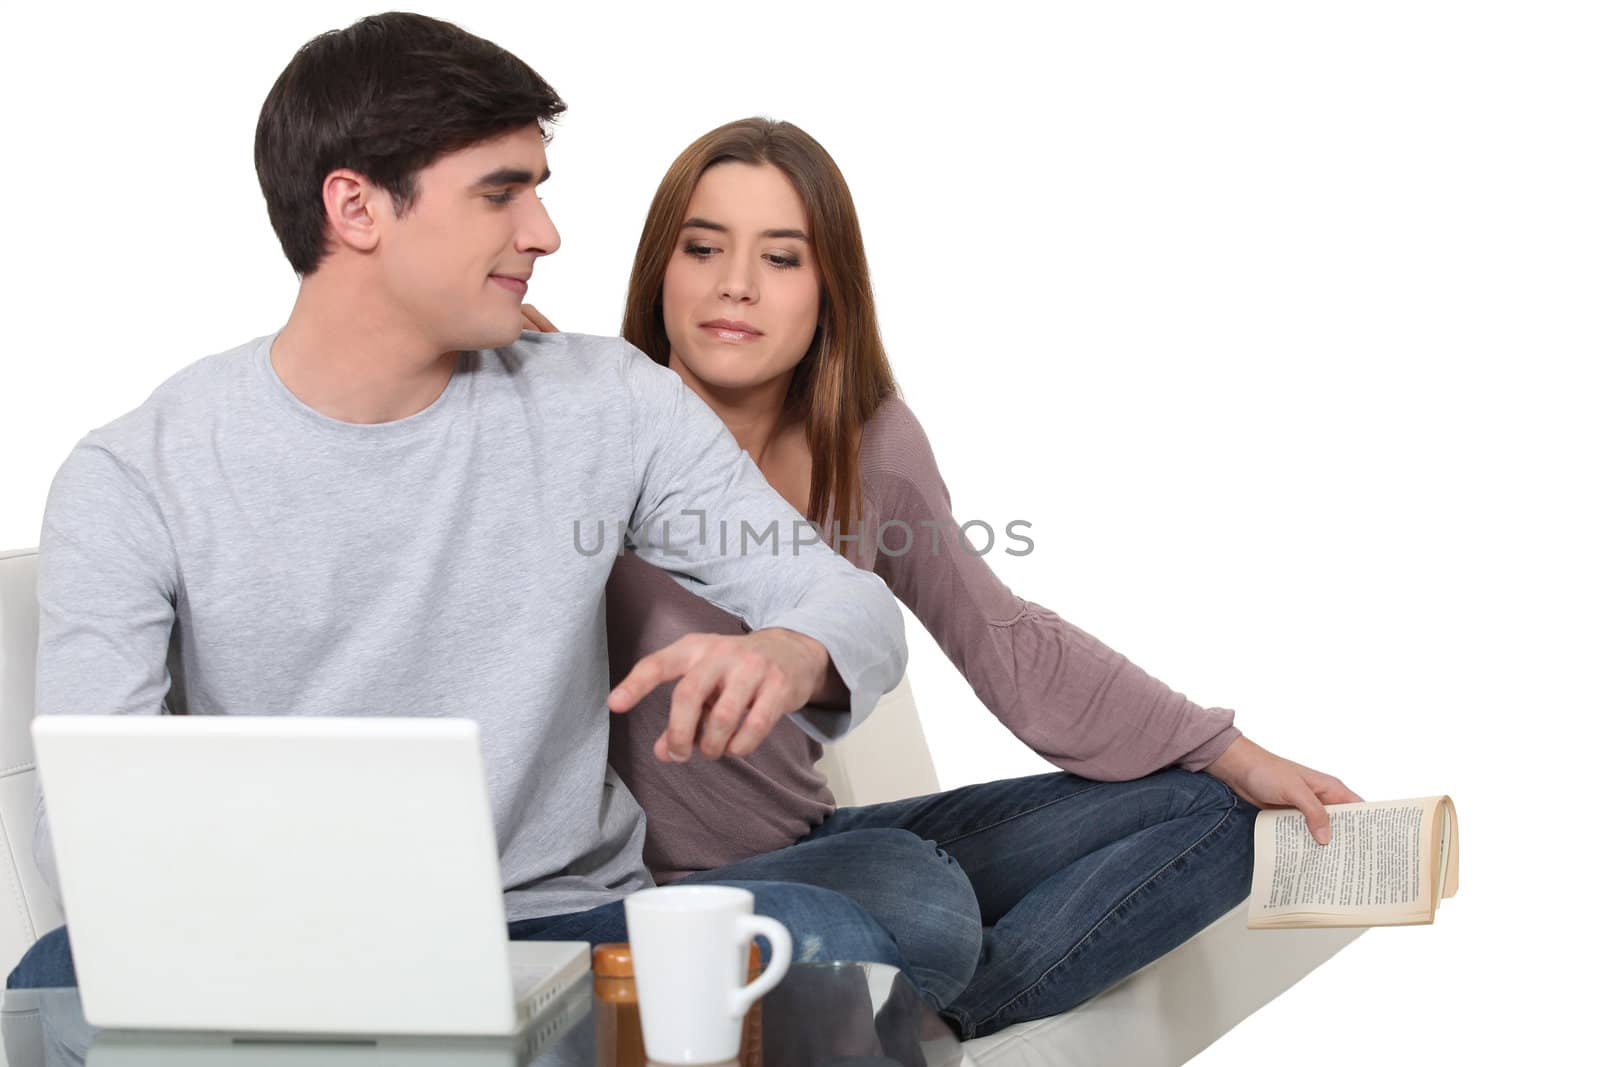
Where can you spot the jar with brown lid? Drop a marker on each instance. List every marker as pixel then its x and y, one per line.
pixel 618 1037
pixel 618 1040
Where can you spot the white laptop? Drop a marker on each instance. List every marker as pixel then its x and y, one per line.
pixel 287 875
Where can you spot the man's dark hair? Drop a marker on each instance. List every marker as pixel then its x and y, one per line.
pixel 385 98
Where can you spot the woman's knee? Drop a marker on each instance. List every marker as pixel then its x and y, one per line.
pixel 1230 845
pixel 918 863
pixel 1198 793
pixel 927 903
pixel 824 924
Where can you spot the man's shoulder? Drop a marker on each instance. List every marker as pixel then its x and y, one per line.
pixel 181 408
pixel 571 357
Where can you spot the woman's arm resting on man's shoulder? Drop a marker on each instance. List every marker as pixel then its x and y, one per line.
pixel 533 319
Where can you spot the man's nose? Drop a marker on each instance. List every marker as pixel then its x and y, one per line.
pixel 537 234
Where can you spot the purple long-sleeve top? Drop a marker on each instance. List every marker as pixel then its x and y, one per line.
pixel 1076 702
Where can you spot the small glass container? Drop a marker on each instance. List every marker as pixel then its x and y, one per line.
pixel 618 1040
pixel 618 1036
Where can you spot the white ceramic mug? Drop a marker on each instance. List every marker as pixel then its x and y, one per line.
pixel 691 952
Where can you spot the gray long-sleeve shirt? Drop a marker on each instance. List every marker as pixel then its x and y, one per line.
pixel 225 549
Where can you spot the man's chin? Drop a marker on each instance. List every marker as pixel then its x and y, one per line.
pixel 498 336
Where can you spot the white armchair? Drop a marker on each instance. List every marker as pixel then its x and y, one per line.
pixel 30 907
pixel 1163 1014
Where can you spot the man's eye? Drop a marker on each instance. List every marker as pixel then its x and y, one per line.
pixel 500 198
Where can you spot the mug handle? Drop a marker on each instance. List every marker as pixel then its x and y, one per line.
pixel 748 927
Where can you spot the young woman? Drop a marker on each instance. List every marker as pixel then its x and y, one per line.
pixel 751 283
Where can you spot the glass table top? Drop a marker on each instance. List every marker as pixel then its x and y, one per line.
pixel 820 1015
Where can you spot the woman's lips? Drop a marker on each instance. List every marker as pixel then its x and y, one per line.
pixel 730 330
pixel 516 285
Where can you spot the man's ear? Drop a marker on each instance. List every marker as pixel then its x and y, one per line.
pixel 355 209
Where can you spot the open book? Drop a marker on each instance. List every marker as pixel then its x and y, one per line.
pixel 1386 864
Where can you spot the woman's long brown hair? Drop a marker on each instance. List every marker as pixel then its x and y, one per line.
pixel 845 374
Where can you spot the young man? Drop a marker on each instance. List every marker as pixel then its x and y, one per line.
pixel 389 508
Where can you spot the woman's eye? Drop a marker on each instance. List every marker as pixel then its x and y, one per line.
pixel 698 251
pixel 783 260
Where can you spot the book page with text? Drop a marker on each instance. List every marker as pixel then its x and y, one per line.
pixel 1374 862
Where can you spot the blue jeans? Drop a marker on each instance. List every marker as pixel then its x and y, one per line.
pixel 1079 883
pixel 916 892
pixel 825 924
pixel 918 912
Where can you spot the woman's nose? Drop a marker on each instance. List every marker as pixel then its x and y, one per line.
pixel 737 284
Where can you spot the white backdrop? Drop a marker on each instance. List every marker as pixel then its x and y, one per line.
pixel 1278 321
